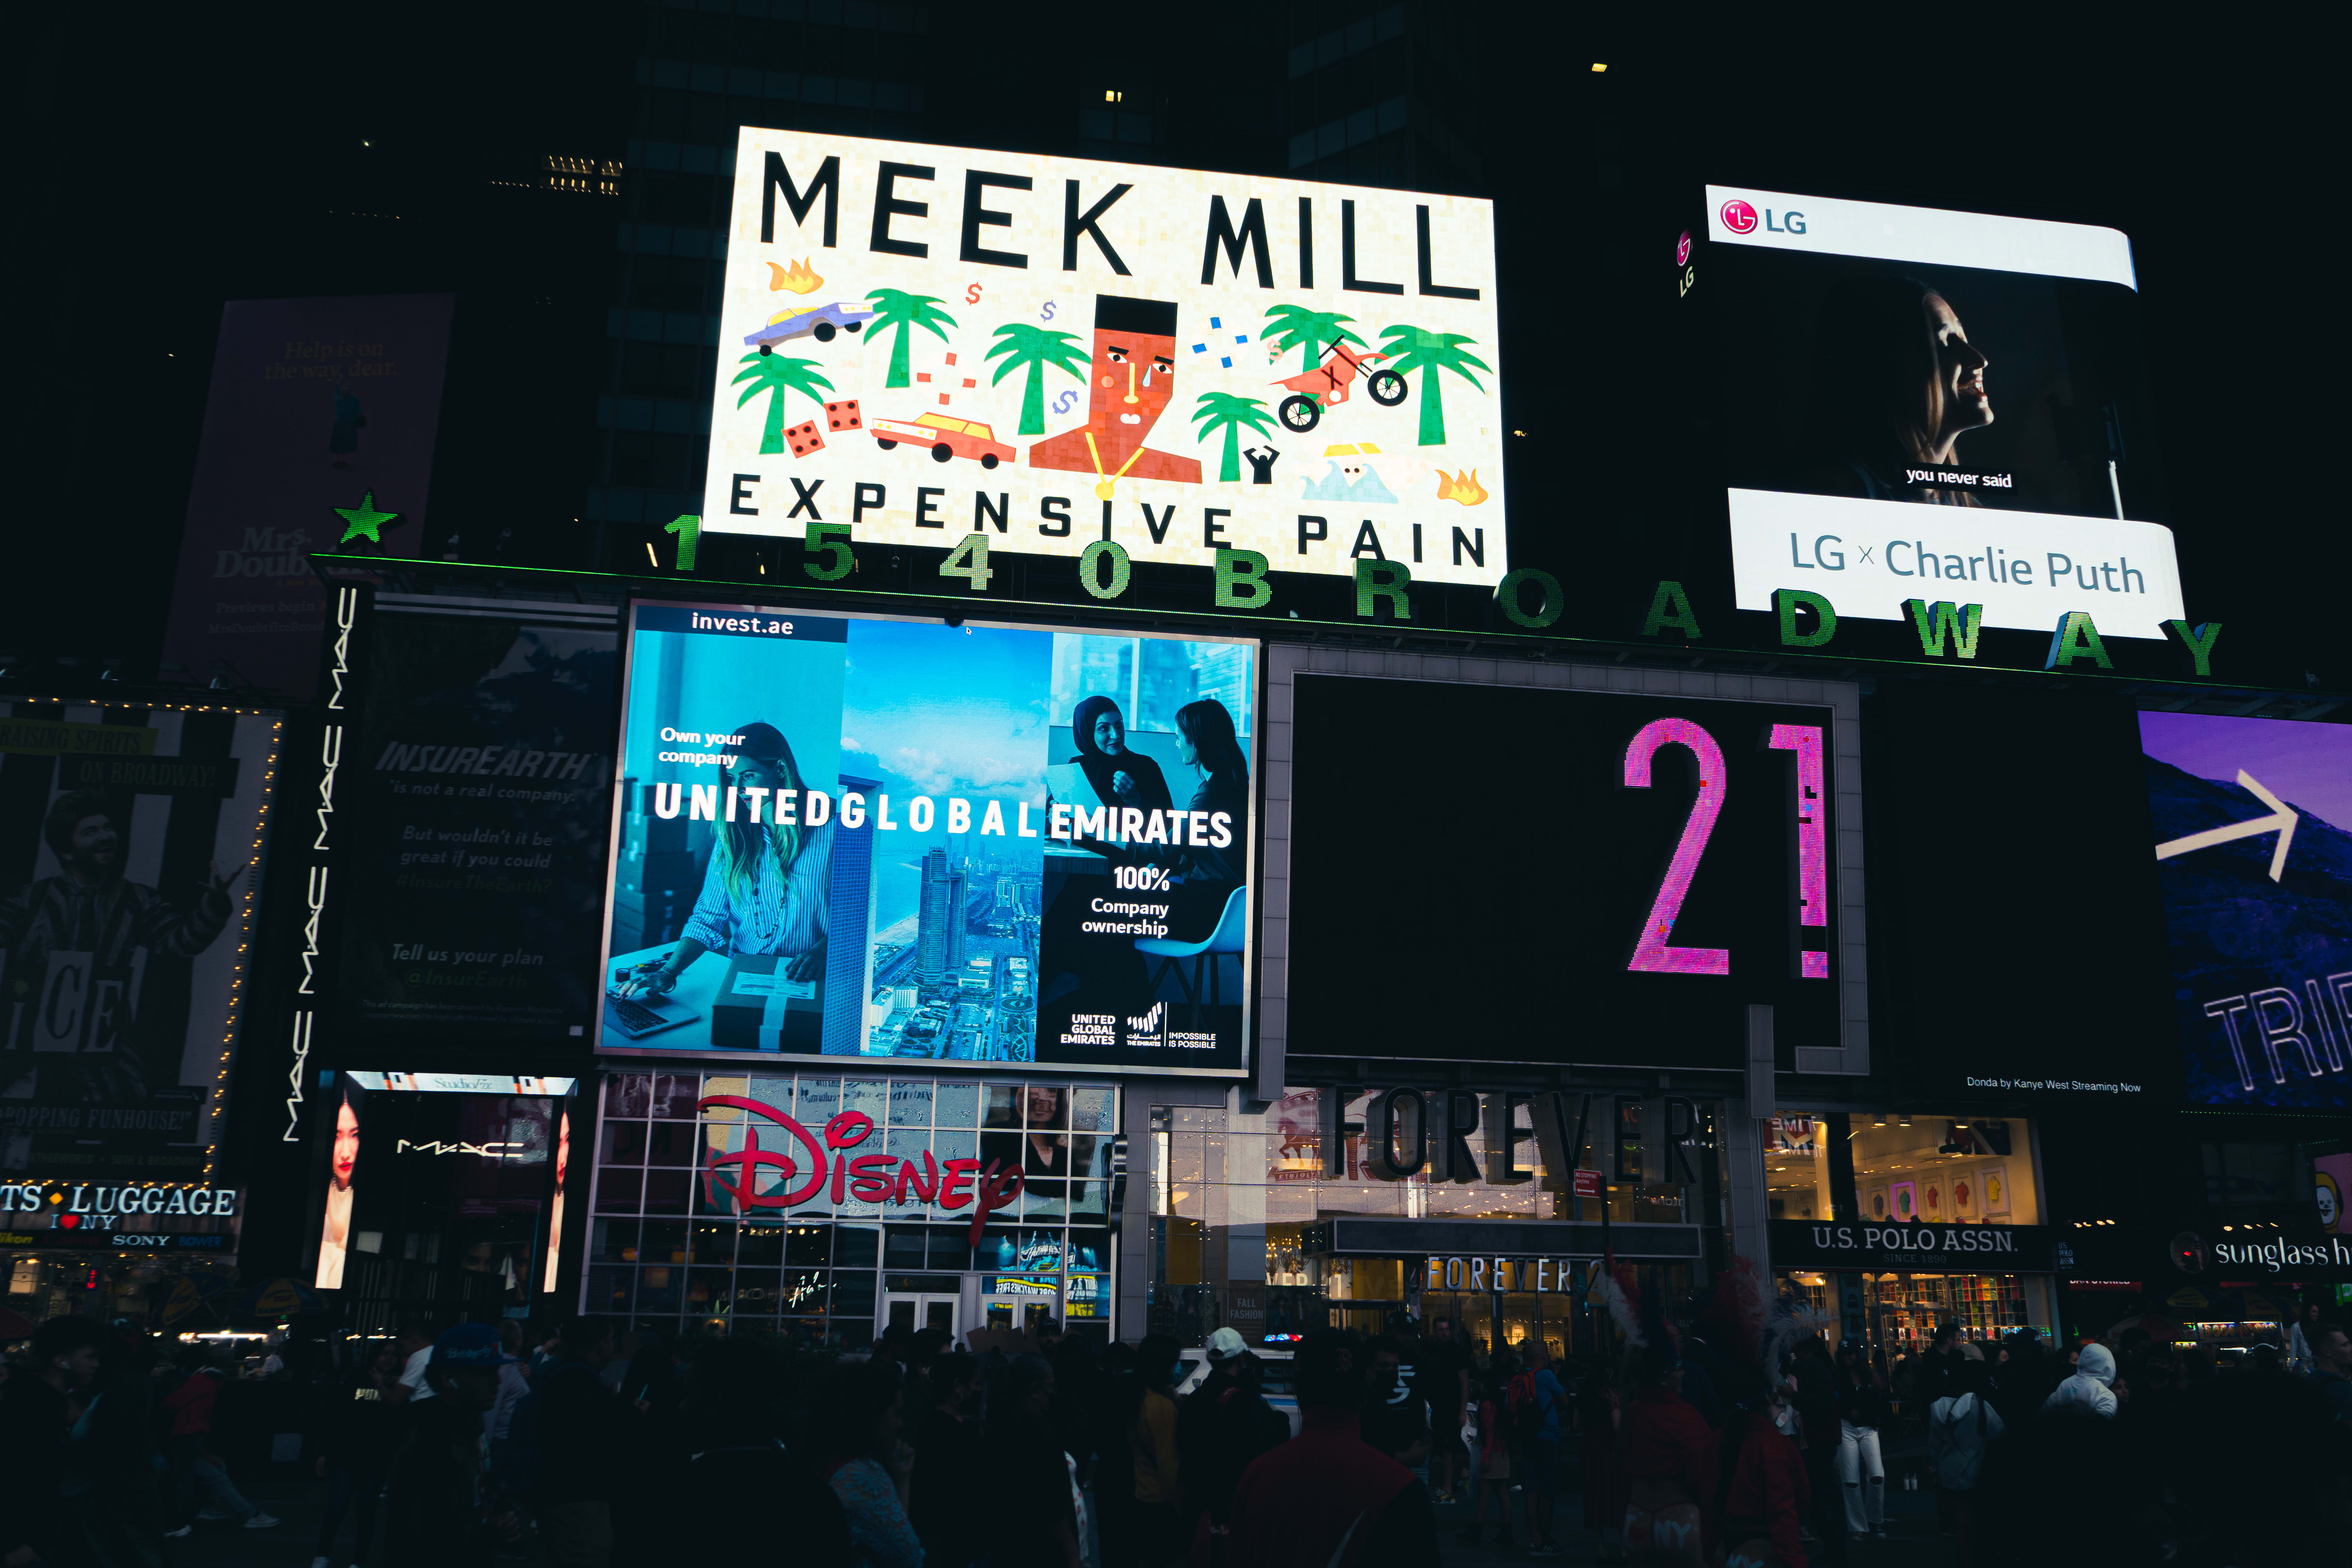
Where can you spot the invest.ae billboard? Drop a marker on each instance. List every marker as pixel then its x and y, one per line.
pixel 926 342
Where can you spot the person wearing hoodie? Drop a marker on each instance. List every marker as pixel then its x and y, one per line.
pixel 1663 1445
pixel 1759 1494
pixel 2089 1391
pixel 1960 1426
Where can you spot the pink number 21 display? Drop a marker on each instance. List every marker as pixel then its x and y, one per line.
pixel 1651 951
pixel 1812 870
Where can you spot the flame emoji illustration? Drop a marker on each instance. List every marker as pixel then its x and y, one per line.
pixel 1463 486
pixel 798 280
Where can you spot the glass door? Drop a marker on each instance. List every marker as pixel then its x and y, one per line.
pixel 913 1310
pixel 1028 1310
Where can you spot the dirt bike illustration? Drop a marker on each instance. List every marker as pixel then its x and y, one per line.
pixel 1326 386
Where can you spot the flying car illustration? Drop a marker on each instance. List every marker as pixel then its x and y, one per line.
pixel 818 321
pixel 944 436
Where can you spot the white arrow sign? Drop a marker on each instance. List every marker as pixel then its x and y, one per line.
pixel 2282 821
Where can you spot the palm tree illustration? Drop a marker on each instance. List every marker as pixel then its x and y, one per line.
pixel 1223 411
pixel 1417 348
pixel 896 308
pixel 1035 348
pixel 1296 327
pixel 776 376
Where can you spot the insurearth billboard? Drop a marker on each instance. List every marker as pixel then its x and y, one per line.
pixel 927 343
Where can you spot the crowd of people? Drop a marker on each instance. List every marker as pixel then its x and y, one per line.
pixel 1708 1442
pixel 1717 1444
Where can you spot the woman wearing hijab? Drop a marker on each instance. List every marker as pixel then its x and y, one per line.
pixel 1120 777
pixel 1099 972
pixel 769 882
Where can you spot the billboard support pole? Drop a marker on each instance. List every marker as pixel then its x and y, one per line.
pixel 1744 1146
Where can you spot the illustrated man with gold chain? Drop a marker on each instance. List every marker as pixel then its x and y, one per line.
pixel 1131 381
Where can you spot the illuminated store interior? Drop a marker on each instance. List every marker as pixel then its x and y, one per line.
pixel 1912 1168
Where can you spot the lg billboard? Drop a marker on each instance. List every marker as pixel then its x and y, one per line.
pixel 1936 406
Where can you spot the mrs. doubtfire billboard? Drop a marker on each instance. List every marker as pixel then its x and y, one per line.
pixel 865 837
pixel 927 343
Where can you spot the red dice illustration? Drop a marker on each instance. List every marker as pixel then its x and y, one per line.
pixel 805 437
pixel 843 416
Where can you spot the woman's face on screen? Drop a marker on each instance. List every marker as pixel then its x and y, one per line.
pixel 1110 735
pixel 754 773
pixel 347 1143
pixel 1959 369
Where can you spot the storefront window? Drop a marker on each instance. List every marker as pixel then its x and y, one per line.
pixel 668 1246
pixel 1974 1170
pixel 1907 1307
pixel 154 1292
pixel 1239 1198
pixel 1907 1171
pixel 1797 1167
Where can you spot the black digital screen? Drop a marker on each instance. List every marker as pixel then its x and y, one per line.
pixel 1475 878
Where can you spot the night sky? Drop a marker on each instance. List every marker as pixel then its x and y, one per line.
pixel 167 165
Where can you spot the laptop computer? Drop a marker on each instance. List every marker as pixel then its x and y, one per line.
pixel 635 1018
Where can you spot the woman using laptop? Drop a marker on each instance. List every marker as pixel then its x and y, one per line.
pixel 768 882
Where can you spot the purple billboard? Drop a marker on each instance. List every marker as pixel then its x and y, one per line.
pixel 2257 881
pixel 315 405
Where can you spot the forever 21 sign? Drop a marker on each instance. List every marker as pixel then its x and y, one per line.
pixel 1920 1247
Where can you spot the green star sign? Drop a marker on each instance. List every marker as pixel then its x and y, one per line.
pixel 364 520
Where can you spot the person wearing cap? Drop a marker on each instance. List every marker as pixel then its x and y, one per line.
pixel 445 1508
pixel 771 874
pixel 1221 1426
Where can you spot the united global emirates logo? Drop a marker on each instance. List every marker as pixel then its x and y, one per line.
pixel 1738 216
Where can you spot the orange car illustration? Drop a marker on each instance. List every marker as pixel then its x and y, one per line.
pixel 946 438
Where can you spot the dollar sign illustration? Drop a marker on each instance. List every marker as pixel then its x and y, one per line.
pixel 1064 403
pixel 1047 313
pixel 972 295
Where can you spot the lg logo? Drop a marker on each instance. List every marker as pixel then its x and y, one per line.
pixel 1742 218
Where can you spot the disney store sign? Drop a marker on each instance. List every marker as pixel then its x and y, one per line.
pixel 824 1162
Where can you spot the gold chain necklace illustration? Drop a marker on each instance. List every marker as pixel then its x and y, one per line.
pixel 1102 485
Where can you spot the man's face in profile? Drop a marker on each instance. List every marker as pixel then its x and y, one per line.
pixel 95 849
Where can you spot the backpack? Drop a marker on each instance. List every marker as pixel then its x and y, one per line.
pixel 1523 1411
